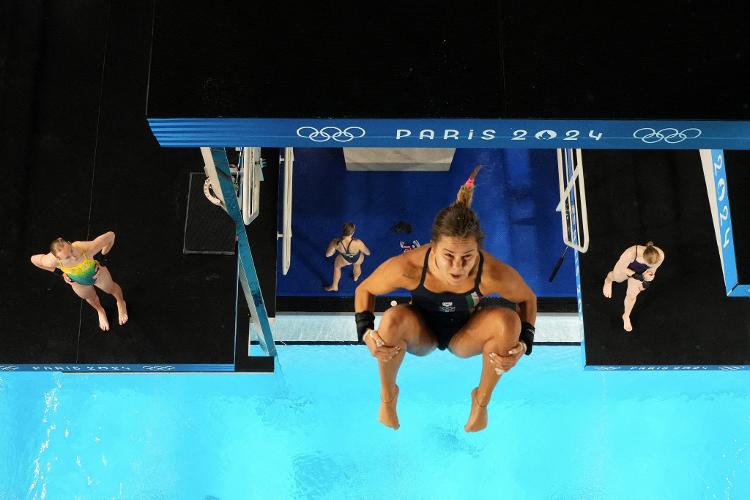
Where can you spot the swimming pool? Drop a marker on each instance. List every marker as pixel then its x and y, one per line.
pixel 310 431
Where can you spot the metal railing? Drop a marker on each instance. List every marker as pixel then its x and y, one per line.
pixel 572 206
pixel 217 167
pixel 286 234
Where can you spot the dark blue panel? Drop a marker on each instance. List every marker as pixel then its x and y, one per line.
pixel 516 196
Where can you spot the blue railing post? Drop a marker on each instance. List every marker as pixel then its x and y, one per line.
pixel 247 273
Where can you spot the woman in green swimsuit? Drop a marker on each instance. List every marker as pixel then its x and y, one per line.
pixel 75 262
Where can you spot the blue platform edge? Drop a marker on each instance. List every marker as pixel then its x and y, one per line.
pixel 451 133
pixel 651 368
pixel 116 368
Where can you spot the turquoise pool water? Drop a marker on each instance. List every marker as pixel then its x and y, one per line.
pixel 555 431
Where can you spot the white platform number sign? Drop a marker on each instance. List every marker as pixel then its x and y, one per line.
pixel 724 215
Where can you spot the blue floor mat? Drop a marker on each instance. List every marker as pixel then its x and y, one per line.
pixel 515 198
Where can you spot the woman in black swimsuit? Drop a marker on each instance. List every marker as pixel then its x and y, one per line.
pixel 638 265
pixel 350 251
pixel 448 279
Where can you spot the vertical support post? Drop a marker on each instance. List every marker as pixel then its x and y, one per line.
pixel 247 273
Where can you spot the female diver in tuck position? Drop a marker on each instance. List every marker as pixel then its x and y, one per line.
pixel 447 279
pixel 75 262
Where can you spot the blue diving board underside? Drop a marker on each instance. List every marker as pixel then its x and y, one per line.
pixel 453 133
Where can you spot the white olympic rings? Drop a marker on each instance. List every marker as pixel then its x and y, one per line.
pixel 668 135
pixel 328 133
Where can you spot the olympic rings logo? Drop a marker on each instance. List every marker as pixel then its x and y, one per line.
pixel 159 368
pixel 328 133
pixel 8 368
pixel 668 135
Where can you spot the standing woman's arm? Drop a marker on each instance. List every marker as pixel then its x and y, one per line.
pixel 45 261
pixel 331 248
pixel 626 258
pixel 102 243
pixel 365 250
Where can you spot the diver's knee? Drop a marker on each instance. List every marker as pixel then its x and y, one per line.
pixel 394 322
pixel 507 321
pixel 505 327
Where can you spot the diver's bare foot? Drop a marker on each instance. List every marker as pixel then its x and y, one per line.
pixel 103 321
pixel 331 289
pixel 607 290
pixel 387 413
pixel 626 323
pixel 478 416
pixel 122 312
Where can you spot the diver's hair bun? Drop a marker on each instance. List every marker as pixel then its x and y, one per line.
pixel 458 220
pixel 466 192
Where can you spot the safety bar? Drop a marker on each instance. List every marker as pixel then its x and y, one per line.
pixel 572 206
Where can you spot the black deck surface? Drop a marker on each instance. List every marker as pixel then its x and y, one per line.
pixel 685 317
pixel 738 178
pixel 446 59
pixel 78 159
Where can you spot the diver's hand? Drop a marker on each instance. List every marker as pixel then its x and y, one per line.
pixel 67 279
pixel 503 362
pixel 378 348
pixel 99 267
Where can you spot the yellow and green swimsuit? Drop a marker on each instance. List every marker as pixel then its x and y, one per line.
pixel 82 273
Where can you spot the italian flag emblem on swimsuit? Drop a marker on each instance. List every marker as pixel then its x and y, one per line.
pixel 472 300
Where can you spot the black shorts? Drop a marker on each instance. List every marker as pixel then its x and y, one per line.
pixel 445 325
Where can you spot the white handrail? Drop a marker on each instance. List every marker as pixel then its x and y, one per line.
pixel 209 168
pixel 250 203
pixel 286 242
pixel 575 225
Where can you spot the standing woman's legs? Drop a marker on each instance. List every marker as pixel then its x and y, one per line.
pixel 337 265
pixel 634 288
pixel 357 268
pixel 612 276
pixel 105 282
pixel 88 293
